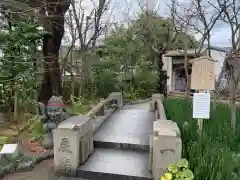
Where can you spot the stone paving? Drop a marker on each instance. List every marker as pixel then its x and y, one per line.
pixel 127 126
pixel 126 130
pixel 107 164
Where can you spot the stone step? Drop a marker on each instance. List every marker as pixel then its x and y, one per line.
pixel 70 178
pixel 109 164
pixel 121 145
pixel 126 129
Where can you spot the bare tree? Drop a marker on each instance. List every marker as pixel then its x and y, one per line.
pixel 68 57
pixel 228 12
pixel 183 21
pixel 208 17
pixel 198 17
pixel 89 27
pixel 178 27
pixel 230 15
pixel 203 19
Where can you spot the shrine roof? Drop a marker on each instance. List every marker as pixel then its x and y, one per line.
pixel 180 52
pixel 202 58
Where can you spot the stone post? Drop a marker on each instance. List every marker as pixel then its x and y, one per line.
pixel 155 97
pixel 73 143
pixel 118 97
pixel 101 111
pixel 166 146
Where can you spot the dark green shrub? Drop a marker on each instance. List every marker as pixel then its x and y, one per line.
pixel 105 82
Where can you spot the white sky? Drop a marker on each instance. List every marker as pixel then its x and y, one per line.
pixel 123 10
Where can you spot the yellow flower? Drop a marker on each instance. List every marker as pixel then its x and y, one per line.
pixel 168 176
pixel 163 178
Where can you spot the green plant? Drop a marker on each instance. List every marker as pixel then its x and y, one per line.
pixel 210 155
pixel 20 64
pixel 79 105
pixel 178 171
pixel 3 140
pixel 35 127
pixel 105 79
pixel 132 94
pixel 128 61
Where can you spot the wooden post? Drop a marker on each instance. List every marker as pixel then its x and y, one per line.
pixel 202 77
pixel 200 125
pixel 200 120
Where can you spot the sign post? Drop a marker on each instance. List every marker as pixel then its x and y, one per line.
pixel 202 79
pixel 201 107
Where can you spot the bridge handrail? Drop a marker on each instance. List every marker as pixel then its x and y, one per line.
pixel 157 103
pixel 113 98
pixel 98 107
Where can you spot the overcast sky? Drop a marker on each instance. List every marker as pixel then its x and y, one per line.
pixel 124 10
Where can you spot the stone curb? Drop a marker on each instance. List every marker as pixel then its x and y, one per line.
pixel 25 166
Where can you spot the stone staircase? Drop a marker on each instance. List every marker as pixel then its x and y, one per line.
pixel 121 147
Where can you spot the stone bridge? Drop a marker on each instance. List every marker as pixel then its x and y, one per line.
pixel 116 141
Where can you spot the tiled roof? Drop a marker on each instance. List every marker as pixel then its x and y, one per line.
pixel 180 52
pixel 191 52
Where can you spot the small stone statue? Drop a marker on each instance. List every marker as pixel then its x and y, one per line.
pixel 52 114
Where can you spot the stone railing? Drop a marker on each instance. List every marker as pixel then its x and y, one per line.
pixel 165 142
pixel 73 139
pixel 157 106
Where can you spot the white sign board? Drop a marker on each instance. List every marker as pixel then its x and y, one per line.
pixel 201 105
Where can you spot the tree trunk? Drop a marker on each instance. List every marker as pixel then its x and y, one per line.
pixel 85 73
pixel 51 84
pixel 187 87
pixel 72 74
pixel 233 102
pixel 161 84
pixel 233 113
pixel 15 114
pixel 54 24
